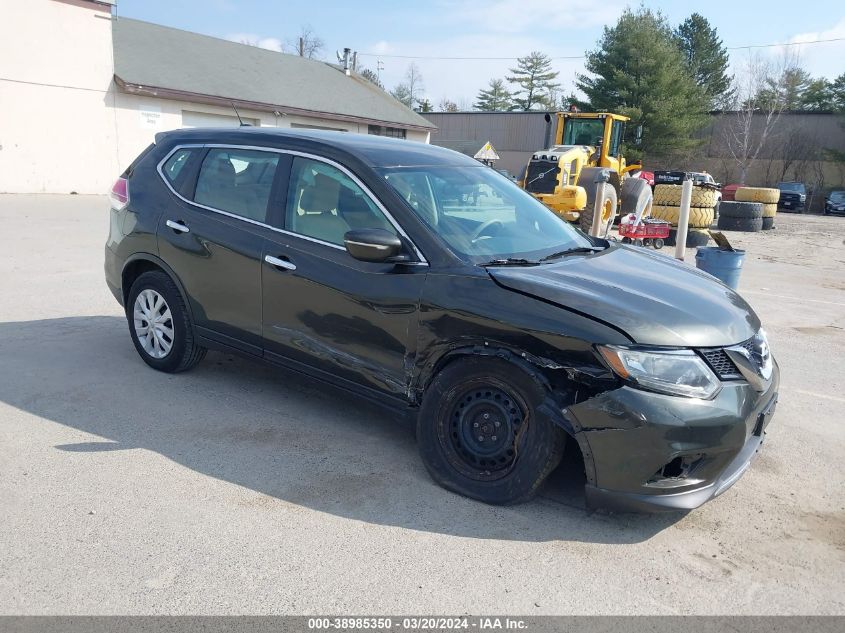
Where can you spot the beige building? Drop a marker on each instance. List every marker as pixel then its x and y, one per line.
pixel 83 92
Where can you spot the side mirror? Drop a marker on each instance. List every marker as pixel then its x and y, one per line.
pixel 372 245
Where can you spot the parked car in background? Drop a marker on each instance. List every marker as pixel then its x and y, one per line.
pixel 793 195
pixel 501 329
pixel 835 203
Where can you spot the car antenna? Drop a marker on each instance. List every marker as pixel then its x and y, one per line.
pixel 237 114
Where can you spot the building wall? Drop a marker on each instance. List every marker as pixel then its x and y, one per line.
pixel 515 135
pixel 799 137
pixel 57 132
pixel 66 126
pixel 139 119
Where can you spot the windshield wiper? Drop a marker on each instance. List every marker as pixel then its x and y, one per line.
pixel 510 261
pixel 572 251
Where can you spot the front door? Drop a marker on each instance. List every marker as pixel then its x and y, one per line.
pixel 324 311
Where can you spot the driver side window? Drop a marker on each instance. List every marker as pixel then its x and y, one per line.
pixel 324 203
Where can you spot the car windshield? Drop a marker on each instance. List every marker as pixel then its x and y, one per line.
pixel 838 196
pixel 791 186
pixel 482 215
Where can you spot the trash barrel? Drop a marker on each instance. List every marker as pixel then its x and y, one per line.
pixel 723 265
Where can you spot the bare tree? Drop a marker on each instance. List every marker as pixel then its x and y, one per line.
pixel 308 44
pixel 798 146
pixel 414 81
pixel 751 122
pixel 447 105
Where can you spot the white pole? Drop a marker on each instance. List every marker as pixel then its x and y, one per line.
pixel 597 207
pixel 683 219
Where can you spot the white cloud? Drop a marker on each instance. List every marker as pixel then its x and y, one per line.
pixel 270 43
pixel 461 79
pixel 491 28
pixel 517 16
pixel 822 59
pixel 381 48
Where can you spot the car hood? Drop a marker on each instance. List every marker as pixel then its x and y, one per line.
pixel 654 299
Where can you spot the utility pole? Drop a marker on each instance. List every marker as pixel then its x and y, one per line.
pixel 379 68
pixel 302 47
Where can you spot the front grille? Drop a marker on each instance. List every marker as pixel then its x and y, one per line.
pixel 541 176
pixel 721 364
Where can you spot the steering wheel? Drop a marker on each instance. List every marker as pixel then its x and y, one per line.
pixel 486 226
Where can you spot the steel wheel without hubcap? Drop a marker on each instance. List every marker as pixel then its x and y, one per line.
pixel 153 323
pixel 483 433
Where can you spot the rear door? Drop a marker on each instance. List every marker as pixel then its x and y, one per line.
pixel 212 235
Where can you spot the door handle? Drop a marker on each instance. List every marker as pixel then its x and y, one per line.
pixel 279 263
pixel 179 227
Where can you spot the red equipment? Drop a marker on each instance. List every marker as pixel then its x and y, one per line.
pixel 649 232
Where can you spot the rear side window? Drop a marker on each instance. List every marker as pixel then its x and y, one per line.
pixel 237 181
pixel 174 165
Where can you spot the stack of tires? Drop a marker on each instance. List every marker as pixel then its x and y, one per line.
pixel 667 206
pixel 740 216
pixel 762 195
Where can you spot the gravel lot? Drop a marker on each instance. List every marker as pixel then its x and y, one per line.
pixel 237 489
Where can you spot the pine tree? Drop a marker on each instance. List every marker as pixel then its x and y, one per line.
pixel 496 98
pixel 425 106
pixel 818 96
pixel 403 94
pixel 706 58
pixel 372 77
pixel 786 89
pixel 535 78
pixel 638 70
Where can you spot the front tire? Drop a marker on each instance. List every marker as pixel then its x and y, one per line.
pixel 479 433
pixel 159 324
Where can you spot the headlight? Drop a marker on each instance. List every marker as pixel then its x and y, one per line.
pixel 803 197
pixel 676 372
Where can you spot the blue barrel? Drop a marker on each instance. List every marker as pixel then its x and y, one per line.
pixel 723 265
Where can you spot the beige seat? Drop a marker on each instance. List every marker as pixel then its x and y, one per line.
pixel 318 216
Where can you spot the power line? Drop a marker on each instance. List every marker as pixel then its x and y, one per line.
pixel 730 48
pixel 834 39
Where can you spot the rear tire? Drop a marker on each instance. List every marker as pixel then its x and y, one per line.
pixel 748 225
pixel 695 239
pixel 587 180
pixel 479 433
pixel 766 195
pixel 670 195
pixel 636 195
pixel 699 217
pixel 159 324
pixel 747 210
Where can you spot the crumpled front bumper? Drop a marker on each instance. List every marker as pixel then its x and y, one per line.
pixel 628 435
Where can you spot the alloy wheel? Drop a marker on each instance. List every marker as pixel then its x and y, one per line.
pixel 153 323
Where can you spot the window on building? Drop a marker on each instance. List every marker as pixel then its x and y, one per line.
pixel 325 203
pixel 237 181
pixel 381 130
pixel 174 165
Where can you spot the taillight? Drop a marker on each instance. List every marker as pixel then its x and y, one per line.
pixel 119 194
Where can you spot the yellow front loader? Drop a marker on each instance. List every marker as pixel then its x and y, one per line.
pixel 567 176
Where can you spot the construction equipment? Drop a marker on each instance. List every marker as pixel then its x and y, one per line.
pixel 584 162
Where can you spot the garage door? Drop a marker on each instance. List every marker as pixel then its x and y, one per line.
pixel 204 119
